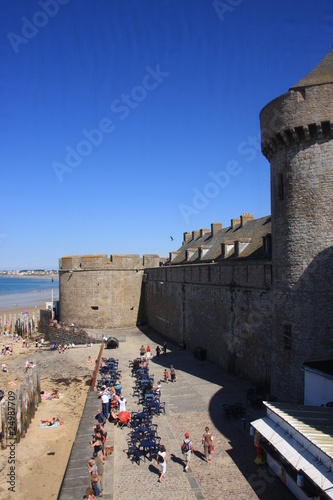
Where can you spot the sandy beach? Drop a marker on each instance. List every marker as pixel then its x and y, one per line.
pixel 42 455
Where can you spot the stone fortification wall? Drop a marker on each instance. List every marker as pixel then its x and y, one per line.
pixel 223 308
pixel 97 291
pixel 297 133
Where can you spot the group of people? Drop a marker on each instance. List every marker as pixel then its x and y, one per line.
pixel 63 348
pixel 7 349
pixel 187 447
pixel 113 405
pixel 39 343
pixel 173 377
pixel 96 463
pixel 146 351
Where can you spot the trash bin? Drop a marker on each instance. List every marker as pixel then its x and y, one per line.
pixel 200 353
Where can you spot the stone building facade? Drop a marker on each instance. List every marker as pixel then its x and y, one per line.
pixel 256 295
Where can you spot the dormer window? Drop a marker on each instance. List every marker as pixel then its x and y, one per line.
pixel 227 248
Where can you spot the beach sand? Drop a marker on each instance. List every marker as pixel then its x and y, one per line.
pixel 41 456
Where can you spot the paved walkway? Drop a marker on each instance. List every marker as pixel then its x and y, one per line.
pixel 193 402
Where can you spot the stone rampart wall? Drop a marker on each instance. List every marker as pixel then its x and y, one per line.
pixel 225 309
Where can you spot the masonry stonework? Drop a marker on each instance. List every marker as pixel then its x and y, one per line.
pixel 223 308
pixel 97 291
pixel 297 131
pixel 257 295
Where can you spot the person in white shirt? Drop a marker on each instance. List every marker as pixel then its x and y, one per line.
pixel 162 460
pixel 122 404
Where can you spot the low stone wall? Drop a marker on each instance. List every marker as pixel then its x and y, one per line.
pixel 18 408
pixel 66 335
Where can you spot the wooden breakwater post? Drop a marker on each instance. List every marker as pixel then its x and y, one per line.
pixel 19 408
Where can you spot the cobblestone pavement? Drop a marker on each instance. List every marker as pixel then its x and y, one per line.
pixel 193 402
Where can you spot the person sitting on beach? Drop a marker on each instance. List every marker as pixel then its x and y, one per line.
pixel 89 360
pixel 54 395
pixel 4 367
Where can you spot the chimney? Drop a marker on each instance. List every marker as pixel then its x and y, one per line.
pixel 215 227
pixel 234 223
pixel 187 237
pixel 195 234
pixel 203 232
pixel 246 218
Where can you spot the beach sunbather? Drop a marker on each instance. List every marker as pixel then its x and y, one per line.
pixel 50 421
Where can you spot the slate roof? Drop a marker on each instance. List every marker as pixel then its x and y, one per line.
pixel 321 74
pixel 251 235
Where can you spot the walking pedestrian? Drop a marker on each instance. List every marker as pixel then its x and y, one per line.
pixel 207 441
pixel 166 376
pixel 158 351
pixel 187 450
pixel 162 460
pixel 165 348
pixel 142 350
pixel 173 374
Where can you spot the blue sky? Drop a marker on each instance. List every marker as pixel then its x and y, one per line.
pixel 125 123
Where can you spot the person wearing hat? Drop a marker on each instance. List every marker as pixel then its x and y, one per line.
pixel 187 450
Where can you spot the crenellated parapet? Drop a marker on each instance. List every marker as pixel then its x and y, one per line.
pixel 104 262
pixel 302 115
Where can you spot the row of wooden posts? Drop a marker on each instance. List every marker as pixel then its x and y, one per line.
pixel 18 408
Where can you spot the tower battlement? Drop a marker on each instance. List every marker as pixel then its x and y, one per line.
pixel 104 262
pixel 297 117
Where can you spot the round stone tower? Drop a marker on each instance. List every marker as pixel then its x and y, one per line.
pixel 296 138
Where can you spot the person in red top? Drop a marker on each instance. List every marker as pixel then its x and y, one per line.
pixel 148 351
pixel 166 376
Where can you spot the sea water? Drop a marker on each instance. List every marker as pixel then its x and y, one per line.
pixel 19 293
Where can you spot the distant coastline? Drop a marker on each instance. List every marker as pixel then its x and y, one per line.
pixel 42 275
pixel 34 276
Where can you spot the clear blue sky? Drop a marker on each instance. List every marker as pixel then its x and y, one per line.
pixel 126 122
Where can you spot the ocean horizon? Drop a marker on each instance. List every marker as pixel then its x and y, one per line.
pixel 20 293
